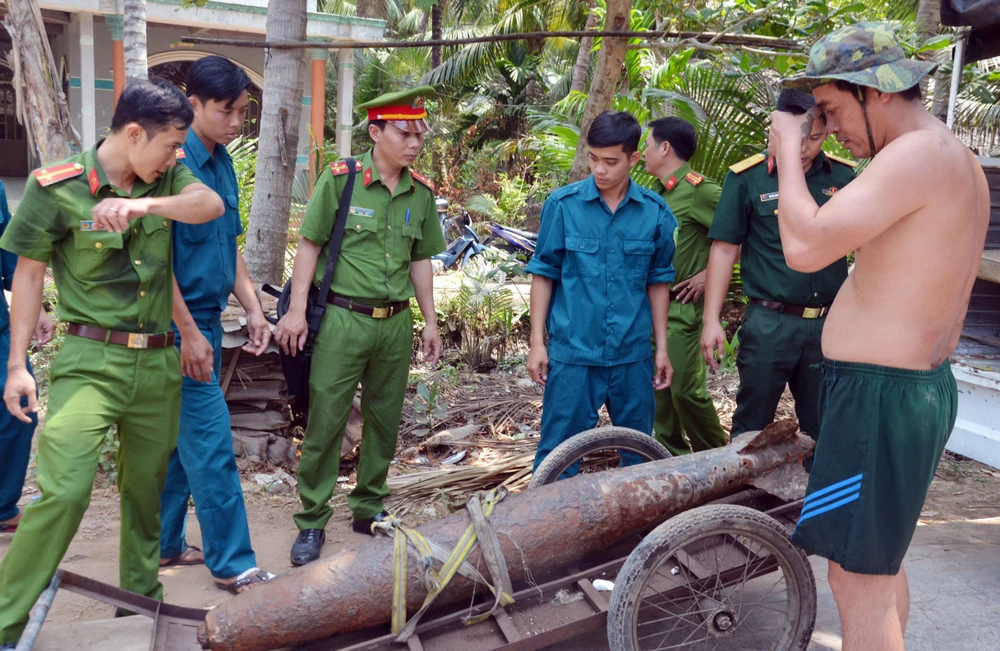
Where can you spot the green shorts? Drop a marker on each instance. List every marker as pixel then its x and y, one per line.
pixel 882 432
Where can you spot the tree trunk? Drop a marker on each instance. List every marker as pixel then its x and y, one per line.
pixel 437 16
pixel 606 77
pixel 281 111
pixel 928 26
pixel 41 104
pixel 368 9
pixel 583 57
pixel 134 39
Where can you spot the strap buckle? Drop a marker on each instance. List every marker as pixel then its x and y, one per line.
pixel 813 312
pixel 381 312
pixel 138 340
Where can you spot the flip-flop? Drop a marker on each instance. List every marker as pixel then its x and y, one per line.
pixel 177 561
pixel 250 577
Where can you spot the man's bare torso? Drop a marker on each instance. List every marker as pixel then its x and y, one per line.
pixel 904 303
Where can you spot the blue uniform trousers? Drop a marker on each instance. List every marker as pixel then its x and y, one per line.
pixel 203 465
pixel 15 445
pixel 574 393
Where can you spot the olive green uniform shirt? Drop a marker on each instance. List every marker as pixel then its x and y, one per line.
pixel 117 281
pixel 747 215
pixel 383 234
pixel 692 198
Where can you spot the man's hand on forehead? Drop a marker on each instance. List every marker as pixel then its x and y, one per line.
pixel 789 128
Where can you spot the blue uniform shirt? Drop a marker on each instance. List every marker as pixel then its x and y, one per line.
pixel 205 254
pixel 601 263
pixel 8 261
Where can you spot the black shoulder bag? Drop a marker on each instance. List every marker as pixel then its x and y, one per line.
pixel 296 369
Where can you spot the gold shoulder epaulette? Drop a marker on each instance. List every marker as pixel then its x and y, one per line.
pixel 340 167
pixel 46 176
pixel 694 178
pixel 423 179
pixel 747 163
pixel 844 161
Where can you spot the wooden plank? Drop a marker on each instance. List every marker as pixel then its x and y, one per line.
pixel 230 370
pixel 590 593
pixel 260 420
pixel 414 644
pixel 506 625
pixel 243 407
pixel 256 391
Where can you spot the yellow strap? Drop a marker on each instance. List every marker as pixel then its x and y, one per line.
pixel 438 580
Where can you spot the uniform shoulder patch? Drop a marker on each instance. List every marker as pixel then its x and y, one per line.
pixel 340 167
pixel 180 153
pixel 747 163
pixel 423 179
pixel 842 161
pixel 46 176
pixel 694 178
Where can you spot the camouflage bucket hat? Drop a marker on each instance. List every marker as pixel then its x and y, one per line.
pixel 867 54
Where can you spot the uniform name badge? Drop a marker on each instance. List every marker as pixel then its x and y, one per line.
pixel 768 196
pixel 88 226
pixel 356 211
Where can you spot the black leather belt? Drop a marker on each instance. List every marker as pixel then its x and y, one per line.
pixel 374 312
pixel 127 339
pixel 804 311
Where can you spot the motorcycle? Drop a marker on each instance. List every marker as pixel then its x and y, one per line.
pixel 467 244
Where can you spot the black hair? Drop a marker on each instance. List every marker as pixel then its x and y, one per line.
pixel 216 79
pixel 912 94
pixel 155 104
pixel 612 128
pixel 679 133
pixel 795 101
pixel 379 124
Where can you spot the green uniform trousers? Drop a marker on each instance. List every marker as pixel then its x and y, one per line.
pixel 352 348
pixel 94 385
pixel 778 349
pixel 686 418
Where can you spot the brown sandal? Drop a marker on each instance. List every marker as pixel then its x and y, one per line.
pixel 251 577
pixel 178 561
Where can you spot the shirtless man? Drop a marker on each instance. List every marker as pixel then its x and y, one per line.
pixel 889 400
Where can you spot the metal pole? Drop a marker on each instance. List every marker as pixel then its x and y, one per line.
pixel 38 613
pixel 956 74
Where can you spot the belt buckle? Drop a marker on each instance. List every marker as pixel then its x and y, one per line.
pixel 138 340
pixel 812 312
pixel 381 312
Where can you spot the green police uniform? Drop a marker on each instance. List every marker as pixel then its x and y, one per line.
pixel 780 339
pixel 686 418
pixel 385 232
pixel 118 282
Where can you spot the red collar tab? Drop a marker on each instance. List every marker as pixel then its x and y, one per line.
pixel 671 183
pixel 770 164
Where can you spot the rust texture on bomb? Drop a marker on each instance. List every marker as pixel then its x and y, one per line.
pixel 546 528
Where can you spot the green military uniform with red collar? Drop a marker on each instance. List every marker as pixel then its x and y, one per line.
pixel 781 334
pixel 121 282
pixel 384 233
pixel 686 418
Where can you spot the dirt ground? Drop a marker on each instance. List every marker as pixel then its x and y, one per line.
pixel 963 490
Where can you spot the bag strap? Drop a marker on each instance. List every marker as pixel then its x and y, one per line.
pixel 337 237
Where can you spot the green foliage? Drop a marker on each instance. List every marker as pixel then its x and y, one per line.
pixel 110 449
pixel 244 154
pixel 731 347
pixel 484 311
pixel 508 207
pixel 428 408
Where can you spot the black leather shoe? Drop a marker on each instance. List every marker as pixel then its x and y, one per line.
pixel 365 526
pixel 307 545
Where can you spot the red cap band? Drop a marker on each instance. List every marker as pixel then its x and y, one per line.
pixel 397 113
